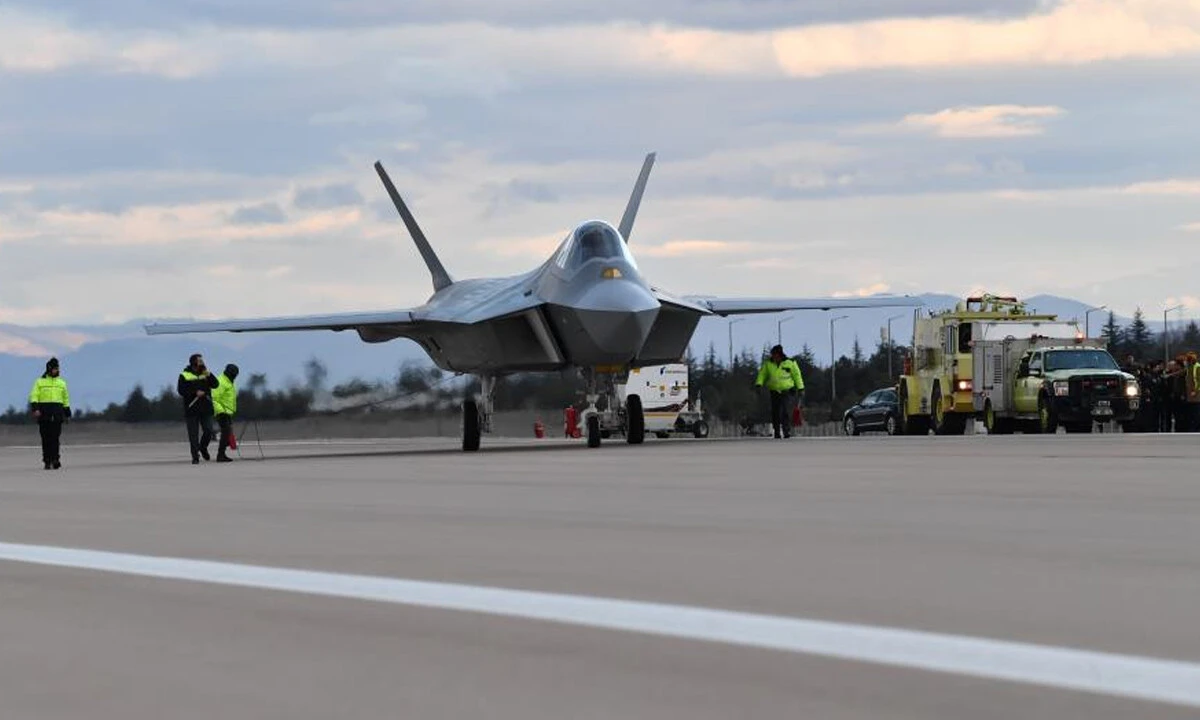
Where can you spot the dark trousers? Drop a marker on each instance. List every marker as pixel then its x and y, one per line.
pixel 225 422
pixel 1164 416
pixel 197 440
pixel 781 413
pixel 1182 419
pixel 51 431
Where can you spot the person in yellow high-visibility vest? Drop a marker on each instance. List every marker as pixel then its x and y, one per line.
pixel 224 400
pixel 50 404
pixel 782 377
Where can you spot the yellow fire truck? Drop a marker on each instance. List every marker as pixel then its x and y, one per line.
pixel 936 390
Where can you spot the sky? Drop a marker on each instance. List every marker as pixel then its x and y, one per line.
pixel 171 158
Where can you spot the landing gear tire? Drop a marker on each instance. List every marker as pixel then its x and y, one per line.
pixel 471 429
pixel 701 430
pixel 635 420
pixel 593 431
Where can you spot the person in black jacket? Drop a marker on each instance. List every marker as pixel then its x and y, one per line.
pixel 195 386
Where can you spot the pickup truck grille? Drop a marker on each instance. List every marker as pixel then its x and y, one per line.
pixel 1088 389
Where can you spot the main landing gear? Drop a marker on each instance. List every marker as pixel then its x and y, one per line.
pixel 476 422
pixel 626 417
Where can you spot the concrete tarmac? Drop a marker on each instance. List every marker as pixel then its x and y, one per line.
pixel 1085 542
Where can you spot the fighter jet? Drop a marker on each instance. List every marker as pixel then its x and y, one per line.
pixel 588 306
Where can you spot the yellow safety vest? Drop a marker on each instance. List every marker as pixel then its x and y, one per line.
pixel 224 397
pixel 781 377
pixel 50 391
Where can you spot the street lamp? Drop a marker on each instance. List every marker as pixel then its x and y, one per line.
pixel 779 328
pixel 1167 334
pixel 891 348
pixel 1087 320
pixel 833 362
pixel 731 324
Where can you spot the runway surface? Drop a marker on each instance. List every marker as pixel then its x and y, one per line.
pixel 1044 577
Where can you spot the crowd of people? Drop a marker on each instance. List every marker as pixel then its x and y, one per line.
pixel 1170 394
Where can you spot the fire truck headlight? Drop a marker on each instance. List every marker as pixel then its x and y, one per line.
pixel 1061 388
pixel 1131 389
pixel 964 386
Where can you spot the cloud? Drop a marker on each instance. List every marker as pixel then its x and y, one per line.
pixel 1174 186
pixel 1167 188
pixel 685 248
pixel 325 197
pixel 1189 302
pixel 986 121
pixel 1191 227
pixel 263 213
pixel 385 113
pixel 499 197
pixel 873 289
pixel 1071 32
pixel 480 58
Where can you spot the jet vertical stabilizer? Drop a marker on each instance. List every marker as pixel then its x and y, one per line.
pixel 441 278
pixel 635 199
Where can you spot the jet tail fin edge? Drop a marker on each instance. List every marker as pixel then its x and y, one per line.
pixel 635 199
pixel 441 278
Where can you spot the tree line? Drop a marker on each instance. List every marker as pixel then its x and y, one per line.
pixel 725 390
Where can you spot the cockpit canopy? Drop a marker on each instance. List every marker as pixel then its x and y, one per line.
pixel 592 240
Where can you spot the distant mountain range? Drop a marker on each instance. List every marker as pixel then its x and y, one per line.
pixel 103 362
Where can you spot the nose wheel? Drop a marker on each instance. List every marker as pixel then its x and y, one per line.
pixel 635 421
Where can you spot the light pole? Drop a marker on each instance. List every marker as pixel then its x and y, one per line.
pixel 833 362
pixel 1087 320
pixel 1167 334
pixel 779 328
pixel 891 348
pixel 731 324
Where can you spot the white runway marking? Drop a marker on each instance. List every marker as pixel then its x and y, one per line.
pixel 1117 675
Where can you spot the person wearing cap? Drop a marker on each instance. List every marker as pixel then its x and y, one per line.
pixel 782 377
pixel 50 404
pixel 224 400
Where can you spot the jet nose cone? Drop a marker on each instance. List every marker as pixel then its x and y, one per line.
pixel 617 318
pixel 617 296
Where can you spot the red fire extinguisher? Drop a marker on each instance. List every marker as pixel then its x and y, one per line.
pixel 539 430
pixel 571 422
pixel 797 417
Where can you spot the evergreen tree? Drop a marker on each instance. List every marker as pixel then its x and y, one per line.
pixel 1138 338
pixel 857 356
pixel 137 407
pixel 315 373
pixel 1112 333
pixel 1191 338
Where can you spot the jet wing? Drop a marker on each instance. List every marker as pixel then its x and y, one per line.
pixel 394 321
pixel 746 306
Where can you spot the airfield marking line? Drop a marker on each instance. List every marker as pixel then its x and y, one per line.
pixel 1140 678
